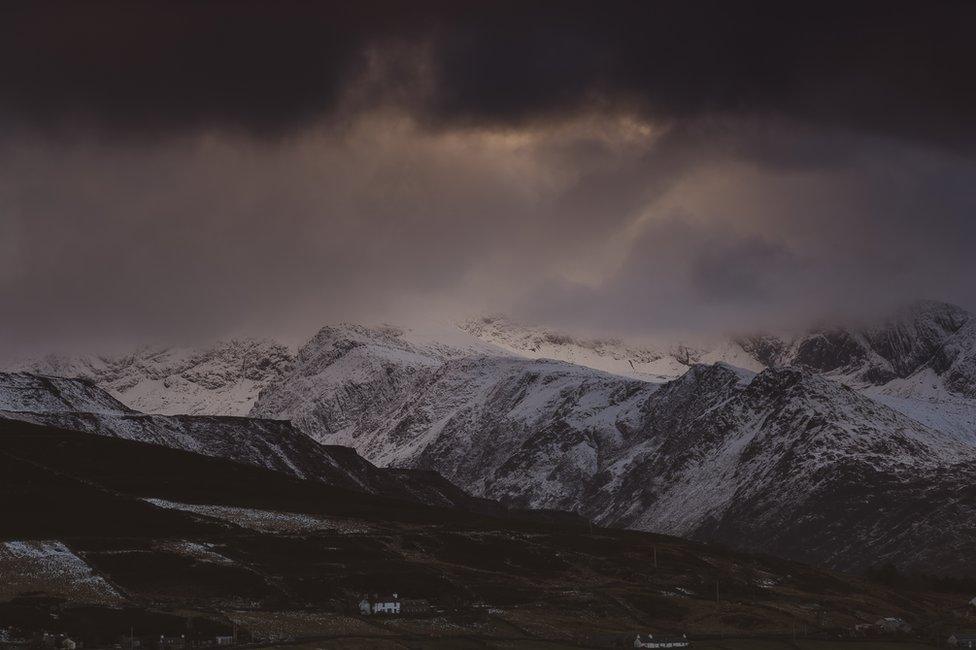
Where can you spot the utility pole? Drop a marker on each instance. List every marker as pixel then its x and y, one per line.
pixel 655 556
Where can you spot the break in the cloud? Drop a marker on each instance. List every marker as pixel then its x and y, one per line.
pixel 181 170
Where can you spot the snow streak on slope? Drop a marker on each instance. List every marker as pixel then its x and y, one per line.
pixel 51 568
pixel 291 523
pixel 224 379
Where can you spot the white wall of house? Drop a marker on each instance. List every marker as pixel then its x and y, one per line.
pixel 367 607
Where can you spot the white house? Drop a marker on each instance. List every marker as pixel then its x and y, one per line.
pixel 379 604
pixel 659 641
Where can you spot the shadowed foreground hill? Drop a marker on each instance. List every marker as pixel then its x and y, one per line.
pixel 80 405
pixel 159 529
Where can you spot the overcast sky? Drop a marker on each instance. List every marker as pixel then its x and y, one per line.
pixel 184 171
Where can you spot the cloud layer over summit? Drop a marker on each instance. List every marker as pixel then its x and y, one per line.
pixel 202 169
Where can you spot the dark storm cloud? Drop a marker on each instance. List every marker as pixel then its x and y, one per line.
pixel 180 170
pixel 161 65
pixel 893 67
pixel 896 67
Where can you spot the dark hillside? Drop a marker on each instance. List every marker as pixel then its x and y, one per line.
pixel 171 531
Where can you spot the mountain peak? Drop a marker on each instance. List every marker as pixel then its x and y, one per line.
pixel 222 378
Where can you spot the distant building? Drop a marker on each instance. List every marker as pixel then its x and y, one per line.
pixel 224 639
pixel 963 640
pixel 660 641
pixel 379 604
pixel 892 625
pixel 171 642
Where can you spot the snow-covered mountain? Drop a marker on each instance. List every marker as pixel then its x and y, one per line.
pixel 222 379
pixel 819 446
pixel 789 460
pixel 920 361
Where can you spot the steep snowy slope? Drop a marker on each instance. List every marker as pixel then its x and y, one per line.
pixel 348 376
pixel 897 347
pixel 223 379
pixel 797 464
pixel 721 453
pixel 920 361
